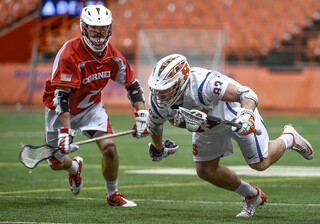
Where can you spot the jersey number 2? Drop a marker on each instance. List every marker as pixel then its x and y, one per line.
pixel 85 102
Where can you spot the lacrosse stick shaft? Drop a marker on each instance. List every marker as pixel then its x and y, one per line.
pixel 104 137
pixel 231 123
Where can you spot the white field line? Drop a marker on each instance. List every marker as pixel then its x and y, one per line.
pixel 34 222
pixel 154 201
pixel 273 171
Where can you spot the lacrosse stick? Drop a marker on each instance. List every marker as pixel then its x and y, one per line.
pixel 196 121
pixel 31 155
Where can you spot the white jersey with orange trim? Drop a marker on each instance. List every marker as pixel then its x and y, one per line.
pixel 204 92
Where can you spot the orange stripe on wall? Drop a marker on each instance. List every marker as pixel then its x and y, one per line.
pixel 276 90
pixel 281 90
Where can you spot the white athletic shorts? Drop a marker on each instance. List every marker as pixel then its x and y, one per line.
pixel 94 118
pixel 209 145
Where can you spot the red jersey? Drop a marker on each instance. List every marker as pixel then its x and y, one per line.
pixel 76 66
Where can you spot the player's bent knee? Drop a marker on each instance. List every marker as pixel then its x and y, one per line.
pixel 261 166
pixel 109 150
pixel 203 172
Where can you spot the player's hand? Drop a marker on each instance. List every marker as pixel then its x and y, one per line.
pixel 178 119
pixel 65 139
pixel 245 117
pixel 168 148
pixel 140 125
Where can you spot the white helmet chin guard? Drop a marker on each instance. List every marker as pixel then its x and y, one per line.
pixel 95 26
pixel 168 80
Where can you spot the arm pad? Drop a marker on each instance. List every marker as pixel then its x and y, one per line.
pixel 135 92
pixel 246 93
pixel 61 101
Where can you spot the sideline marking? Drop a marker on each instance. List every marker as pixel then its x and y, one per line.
pixel 34 222
pixel 273 171
pixel 183 184
pixel 160 201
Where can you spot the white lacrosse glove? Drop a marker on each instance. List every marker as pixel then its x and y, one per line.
pixel 65 139
pixel 178 119
pixel 168 148
pixel 245 117
pixel 140 125
pixel 194 118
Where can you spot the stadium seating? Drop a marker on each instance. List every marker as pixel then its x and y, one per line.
pixel 15 10
pixel 255 27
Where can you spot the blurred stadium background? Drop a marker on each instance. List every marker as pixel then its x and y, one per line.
pixel 272 46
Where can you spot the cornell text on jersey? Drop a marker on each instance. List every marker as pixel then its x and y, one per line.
pixel 93 77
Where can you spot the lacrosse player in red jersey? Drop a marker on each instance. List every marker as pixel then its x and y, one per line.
pixel 81 69
pixel 176 88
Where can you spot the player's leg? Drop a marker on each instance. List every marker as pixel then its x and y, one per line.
pixel 290 139
pixel 276 148
pixel 110 159
pixel 207 151
pixel 95 124
pixel 260 153
pixel 110 166
pixel 225 178
pixel 60 161
pixel 218 175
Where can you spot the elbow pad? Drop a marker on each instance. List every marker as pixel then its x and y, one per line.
pixel 246 93
pixel 61 101
pixel 135 92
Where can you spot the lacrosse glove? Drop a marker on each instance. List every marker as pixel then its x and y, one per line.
pixel 168 148
pixel 245 117
pixel 65 139
pixel 140 125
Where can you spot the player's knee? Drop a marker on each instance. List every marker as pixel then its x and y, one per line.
pixel 203 172
pixel 109 150
pixel 261 166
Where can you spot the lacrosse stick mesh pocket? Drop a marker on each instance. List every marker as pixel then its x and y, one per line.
pixel 30 156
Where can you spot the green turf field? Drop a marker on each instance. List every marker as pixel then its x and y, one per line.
pixel 43 196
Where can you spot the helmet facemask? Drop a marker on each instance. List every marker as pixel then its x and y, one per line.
pixel 96 37
pixel 165 98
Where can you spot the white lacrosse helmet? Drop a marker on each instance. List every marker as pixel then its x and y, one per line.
pixel 95 25
pixel 168 80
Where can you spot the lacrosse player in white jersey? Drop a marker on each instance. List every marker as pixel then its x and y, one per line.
pixel 201 92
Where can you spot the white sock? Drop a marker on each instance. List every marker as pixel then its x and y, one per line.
pixel 112 187
pixel 74 167
pixel 246 189
pixel 288 140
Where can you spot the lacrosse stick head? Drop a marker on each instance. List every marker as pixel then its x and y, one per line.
pixel 168 80
pixel 194 118
pixel 30 155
